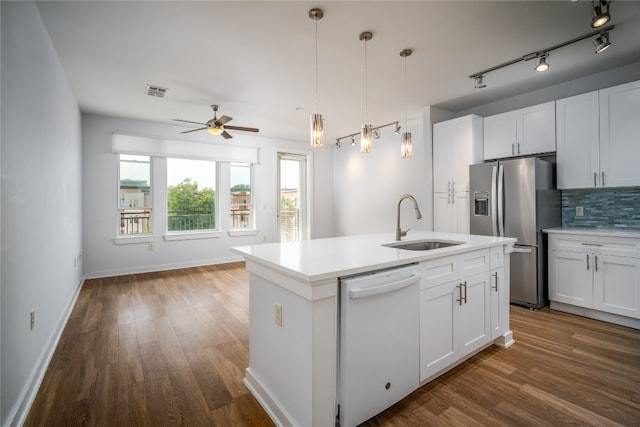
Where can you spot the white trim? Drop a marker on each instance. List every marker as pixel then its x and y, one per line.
pixel 128 144
pixel 130 240
pixel 275 411
pixel 18 414
pixel 242 232
pixel 192 235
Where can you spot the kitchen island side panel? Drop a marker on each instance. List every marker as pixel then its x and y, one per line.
pixel 292 364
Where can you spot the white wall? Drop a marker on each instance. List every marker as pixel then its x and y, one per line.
pixel 41 203
pixel 99 183
pixel 367 187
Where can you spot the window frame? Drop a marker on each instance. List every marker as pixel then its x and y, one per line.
pixel 138 237
pixel 251 227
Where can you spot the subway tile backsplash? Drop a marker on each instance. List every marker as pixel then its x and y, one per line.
pixel 607 207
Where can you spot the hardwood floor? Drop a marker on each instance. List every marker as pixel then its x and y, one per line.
pixel 170 348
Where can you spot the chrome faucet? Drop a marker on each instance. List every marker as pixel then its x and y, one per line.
pixel 399 233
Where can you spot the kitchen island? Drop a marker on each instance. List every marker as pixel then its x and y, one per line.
pixel 295 312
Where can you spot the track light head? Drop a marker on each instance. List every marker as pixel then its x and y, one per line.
pixel 602 42
pixel 600 14
pixel 376 133
pixel 397 130
pixel 542 64
pixel 480 81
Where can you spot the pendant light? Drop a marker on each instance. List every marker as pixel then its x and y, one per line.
pixel 317 125
pixel 366 133
pixel 405 145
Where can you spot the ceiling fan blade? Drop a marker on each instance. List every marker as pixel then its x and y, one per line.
pixel 242 128
pixel 226 135
pixel 222 120
pixel 194 130
pixel 188 121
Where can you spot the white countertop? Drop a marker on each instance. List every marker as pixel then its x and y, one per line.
pixel 321 259
pixel 604 232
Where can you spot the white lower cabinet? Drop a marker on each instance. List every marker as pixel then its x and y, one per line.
pixel 455 315
pixel 602 274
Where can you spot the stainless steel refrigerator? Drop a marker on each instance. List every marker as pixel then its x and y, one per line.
pixel 517 198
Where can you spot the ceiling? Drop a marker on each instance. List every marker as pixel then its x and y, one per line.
pixel 256 59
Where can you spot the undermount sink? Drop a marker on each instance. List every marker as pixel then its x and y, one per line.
pixel 422 245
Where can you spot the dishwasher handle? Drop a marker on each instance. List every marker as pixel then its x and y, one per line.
pixel 387 287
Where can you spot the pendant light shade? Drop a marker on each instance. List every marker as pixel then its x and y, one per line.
pixel 317 125
pixel 405 145
pixel 366 132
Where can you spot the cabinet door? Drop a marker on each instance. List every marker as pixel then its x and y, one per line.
pixel 570 278
pixel 438 326
pixel 620 135
pixel 499 303
pixel 536 129
pixel 499 135
pixel 467 148
pixel 578 138
pixel 443 220
pixel 474 313
pixel 461 212
pixel 442 156
pixel 617 285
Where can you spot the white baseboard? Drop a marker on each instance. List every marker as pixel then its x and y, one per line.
pixel 595 314
pixel 20 410
pixel 278 416
pixel 161 267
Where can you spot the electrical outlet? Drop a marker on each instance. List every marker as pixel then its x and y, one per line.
pixel 149 247
pixel 32 316
pixel 579 211
pixel 279 315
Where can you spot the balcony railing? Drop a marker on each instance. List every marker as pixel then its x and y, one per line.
pixel 241 218
pixel 192 220
pixel 135 222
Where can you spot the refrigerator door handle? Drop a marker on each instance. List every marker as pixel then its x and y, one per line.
pixel 522 249
pixel 500 201
pixel 494 204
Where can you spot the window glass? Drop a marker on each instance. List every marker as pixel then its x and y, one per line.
pixel 191 195
pixel 134 195
pixel 241 200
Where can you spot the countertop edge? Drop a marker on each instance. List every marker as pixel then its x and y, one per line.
pixel 603 232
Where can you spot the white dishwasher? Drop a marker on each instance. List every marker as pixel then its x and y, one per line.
pixel 379 342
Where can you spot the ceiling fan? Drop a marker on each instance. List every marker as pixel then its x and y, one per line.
pixel 216 126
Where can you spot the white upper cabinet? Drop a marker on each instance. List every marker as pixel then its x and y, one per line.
pixel 620 135
pixel 578 154
pixel 598 137
pixel 526 131
pixel 457 143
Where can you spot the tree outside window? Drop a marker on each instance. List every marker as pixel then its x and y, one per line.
pixel 191 195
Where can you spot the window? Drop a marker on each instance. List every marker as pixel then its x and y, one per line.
pixel 241 201
pixel 191 195
pixel 134 205
pixel 292 185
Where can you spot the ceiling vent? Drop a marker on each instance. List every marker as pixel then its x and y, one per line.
pixel 156 91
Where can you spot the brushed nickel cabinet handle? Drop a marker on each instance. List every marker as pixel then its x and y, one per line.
pixel 513 149
pixel 595 179
pixel 595 261
pixel 603 179
pixel 496 282
pixel 587 262
pixel 459 300
pixel 518 148
pixel 465 291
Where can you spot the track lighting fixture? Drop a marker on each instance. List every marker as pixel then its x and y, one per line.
pixel 352 136
pixel 602 42
pixel 600 13
pixel 376 133
pixel 317 125
pixel 542 64
pixel 542 56
pixel 397 129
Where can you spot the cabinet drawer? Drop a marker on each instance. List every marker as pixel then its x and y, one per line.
pixel 439 271
pixel 618 246
pixel 474 262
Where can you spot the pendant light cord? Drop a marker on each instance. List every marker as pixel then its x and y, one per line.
pixel 366 84
pixel 316 103
pixel 405 94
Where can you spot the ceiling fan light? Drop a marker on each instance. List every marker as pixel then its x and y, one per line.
pixel 542 64
pixel 366 139
pixel 600 14
pixel 405 145
pixel 317 130
pixel 602 42
pixel 215 130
